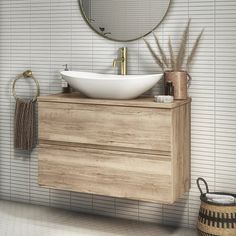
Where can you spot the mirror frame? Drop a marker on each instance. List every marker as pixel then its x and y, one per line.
pixel 130 40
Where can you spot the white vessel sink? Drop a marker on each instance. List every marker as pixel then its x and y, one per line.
pixel 106 86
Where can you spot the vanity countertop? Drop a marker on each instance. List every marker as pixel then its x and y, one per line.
pixel 77 98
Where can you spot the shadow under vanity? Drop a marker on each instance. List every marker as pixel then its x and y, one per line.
pixel 135 149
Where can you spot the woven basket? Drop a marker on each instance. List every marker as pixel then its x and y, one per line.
pixel 215 219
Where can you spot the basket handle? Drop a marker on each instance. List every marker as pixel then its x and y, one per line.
pixel 199 187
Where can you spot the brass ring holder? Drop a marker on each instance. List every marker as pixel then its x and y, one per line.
pixel 26 74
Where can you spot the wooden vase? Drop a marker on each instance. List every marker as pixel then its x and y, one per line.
pixel 180 80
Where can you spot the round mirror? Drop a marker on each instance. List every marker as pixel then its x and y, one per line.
pixel 124 20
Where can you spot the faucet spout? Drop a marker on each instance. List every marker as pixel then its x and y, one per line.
pixel 122 61
pixel 114 63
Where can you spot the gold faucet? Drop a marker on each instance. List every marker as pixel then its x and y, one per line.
pixel 122 60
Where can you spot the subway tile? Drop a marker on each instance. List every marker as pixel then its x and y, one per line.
pixel 44 35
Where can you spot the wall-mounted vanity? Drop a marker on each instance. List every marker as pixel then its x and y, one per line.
pixel 135 149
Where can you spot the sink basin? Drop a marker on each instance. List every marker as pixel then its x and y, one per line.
pixel 106 86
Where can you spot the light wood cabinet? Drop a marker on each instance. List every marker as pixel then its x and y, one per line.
pixel 135 149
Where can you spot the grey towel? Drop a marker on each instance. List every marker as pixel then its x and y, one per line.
pixel 25 124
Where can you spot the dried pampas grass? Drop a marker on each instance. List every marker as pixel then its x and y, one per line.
pixel 175 63
pixel 194 49
pixel 162 53
pixel 182 48
pixel 172 55
pixel 156 57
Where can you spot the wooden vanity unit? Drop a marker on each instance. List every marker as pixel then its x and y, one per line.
pixel 135 149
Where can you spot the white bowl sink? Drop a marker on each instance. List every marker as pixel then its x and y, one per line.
pixel 106 86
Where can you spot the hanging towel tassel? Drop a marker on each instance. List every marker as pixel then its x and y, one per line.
pixel 25 124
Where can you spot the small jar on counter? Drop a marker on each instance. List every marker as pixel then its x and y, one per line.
pixel 169 88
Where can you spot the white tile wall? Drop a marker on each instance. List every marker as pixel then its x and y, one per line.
pixel 43 35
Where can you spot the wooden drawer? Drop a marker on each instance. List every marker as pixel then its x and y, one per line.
pixel 113 126
pixel 111 173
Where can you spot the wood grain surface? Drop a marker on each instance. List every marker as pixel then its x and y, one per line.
pixel 115 148
pixel 111 173
pixel 77 98
pixel 134 127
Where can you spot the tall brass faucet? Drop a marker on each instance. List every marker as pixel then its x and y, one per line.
pixel 122 60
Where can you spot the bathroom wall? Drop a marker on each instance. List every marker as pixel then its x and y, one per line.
pixel 43 35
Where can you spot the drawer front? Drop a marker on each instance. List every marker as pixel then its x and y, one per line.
pixel 126 127
pixel 111 173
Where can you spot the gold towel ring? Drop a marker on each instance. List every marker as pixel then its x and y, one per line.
pixel 26 74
